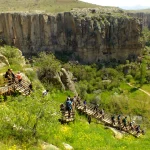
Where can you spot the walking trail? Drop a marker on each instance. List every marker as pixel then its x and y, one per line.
pixel 139 89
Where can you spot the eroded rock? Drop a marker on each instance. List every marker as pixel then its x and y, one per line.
pixel 66 78
pixel 92 35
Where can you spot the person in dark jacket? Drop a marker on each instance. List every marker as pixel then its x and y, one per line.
pixel 68 106
pixel 9 75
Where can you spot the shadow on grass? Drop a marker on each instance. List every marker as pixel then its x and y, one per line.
pixel 133 90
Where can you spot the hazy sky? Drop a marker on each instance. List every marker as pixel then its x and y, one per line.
pixel 121 3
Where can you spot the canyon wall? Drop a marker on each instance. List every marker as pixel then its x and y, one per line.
pixel 91 35
pixel 144 17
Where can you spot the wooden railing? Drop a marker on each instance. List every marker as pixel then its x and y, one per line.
pixel 9 87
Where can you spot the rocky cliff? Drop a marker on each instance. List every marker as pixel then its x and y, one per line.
pixel 91 35
pixel 144 17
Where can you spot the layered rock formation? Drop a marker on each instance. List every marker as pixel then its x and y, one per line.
pixel 144 17
pixel 90 34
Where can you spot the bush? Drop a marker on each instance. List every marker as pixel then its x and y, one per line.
pixel 14 56
pixel 48 67
pixel 129 78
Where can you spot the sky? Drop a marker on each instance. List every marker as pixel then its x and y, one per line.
pixel 125 4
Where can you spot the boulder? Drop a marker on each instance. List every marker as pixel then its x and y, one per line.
pixel 67 146
pixel 47 146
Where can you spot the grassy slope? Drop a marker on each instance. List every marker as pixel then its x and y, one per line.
pixel 43 5
pixel 80 134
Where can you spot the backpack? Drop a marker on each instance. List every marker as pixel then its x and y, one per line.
pixel 113 117
pixel 68 104
pixel 124 120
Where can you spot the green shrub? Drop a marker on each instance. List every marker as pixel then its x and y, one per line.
pixel 129 77
pixel 14 56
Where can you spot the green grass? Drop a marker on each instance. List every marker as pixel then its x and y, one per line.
pixel 134 93
pixel 146 87
pixel 42 5
pixel 79 134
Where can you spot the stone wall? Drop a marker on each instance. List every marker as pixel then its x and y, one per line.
pixel 91 35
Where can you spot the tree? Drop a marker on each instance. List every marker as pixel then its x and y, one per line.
pixel 142 73
pixel 47 65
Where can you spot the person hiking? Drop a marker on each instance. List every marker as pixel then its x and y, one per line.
pixel 95 109
pixel 30 87
pixel 84 103
pixel 73 103
pixel 62 107
pixel 143 132
pixel 131 125
pixel 89 119
pixel 68 106
pixel 19 77
pixel 113 120
pixel 138 130
pixel 119 119
pixel 78 101
pixel 45 92
pixel 9 75
pixel 124 121
pixel 102 113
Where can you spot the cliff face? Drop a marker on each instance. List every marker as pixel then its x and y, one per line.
pixel 144 17
pixel 91 35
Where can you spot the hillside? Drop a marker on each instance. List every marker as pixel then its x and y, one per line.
pixel 42 5
pixel 139 11
pixel 31 122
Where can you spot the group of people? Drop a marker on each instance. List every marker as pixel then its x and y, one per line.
pixel 11 77
pixel 124 124
pixel 70 104
pixel 97 111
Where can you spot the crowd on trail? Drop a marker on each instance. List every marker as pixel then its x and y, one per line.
pixel 125 124
pixel 119 121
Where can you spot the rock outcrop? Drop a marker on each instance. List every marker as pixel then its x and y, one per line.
pixel 144 17
pixel 90 34
pixel 66 78
pixel 3 61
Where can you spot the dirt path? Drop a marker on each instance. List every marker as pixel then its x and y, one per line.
pixel 139 89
